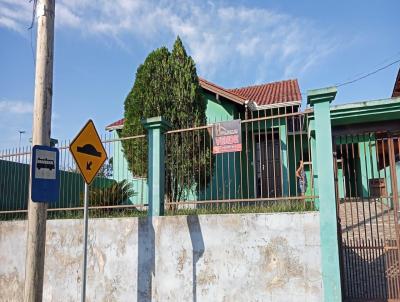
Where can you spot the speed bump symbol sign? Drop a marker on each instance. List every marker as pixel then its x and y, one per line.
pixel 88 151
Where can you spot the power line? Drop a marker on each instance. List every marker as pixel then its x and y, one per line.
pixel 385 61
pixel 33 13
pixel 367 75
pixel 30 28
pixel 362 77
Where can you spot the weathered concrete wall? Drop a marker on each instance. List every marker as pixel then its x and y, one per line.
pixel 249 257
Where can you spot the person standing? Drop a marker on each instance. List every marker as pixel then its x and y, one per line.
pixel 301 178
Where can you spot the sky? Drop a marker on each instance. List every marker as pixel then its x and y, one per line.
pixel 99 45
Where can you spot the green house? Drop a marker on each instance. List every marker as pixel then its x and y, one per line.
pixel 251 173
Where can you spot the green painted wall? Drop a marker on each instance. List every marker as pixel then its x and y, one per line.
pixel 219 110
pixel 121 172
pixel 225 183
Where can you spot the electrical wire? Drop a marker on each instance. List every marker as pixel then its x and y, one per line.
pixel 30 28
pixel 33 12
pixel 304 93
pixel 385 61
pixel 368 74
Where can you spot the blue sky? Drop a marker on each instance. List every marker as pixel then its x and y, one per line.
pixel 99 45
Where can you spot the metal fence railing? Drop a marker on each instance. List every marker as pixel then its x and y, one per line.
pixel 263 174
pixel 115 190
pixel 367 168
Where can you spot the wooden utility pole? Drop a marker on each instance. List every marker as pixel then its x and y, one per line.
pixel 37 212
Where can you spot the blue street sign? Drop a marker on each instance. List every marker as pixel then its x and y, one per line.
pixel 45 171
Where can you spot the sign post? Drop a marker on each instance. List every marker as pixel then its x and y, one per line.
pixel 85 231
pixel 89 154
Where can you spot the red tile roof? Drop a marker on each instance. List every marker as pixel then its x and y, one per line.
pixel 116 125
pixel 396 88
pixel 271 93
pixel 265 94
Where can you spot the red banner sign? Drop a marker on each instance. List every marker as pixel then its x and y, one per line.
pixel 227 137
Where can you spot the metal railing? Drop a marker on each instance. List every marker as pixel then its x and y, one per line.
pixel 115 190
pixel 263 176
pixel 260 176
pixel 367 173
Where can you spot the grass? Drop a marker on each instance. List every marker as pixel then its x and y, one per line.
pixel 234 208
pixel 201 209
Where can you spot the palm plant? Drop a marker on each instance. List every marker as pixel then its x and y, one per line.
pixel 117 193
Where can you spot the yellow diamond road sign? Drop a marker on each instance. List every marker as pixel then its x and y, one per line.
pixel 88 151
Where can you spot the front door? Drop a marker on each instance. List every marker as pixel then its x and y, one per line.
pixel 268 166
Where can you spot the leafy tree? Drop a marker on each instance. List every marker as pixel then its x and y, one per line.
pixel 167 85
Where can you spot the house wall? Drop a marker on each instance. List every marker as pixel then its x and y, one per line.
pixel 121 172
pixel 224 164
pixel 246 257
pixel 219 110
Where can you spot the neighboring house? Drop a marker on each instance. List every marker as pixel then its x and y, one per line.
pixel 360 132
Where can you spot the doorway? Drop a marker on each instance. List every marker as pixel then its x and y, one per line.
pixel 268 165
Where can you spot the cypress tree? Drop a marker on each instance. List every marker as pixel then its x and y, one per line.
pixel 167 85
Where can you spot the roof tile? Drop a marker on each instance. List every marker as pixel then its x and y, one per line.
pixel 271 93
pixel 116 125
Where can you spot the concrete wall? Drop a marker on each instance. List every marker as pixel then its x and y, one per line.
pixel 249 257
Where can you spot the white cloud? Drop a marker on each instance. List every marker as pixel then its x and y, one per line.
pixel 16 107
pixel 238 40
pixel 67 17
pixel 15 15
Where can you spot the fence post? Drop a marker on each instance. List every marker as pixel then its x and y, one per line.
pixel 314 174
pixel 156 127
pixel 284 155
pixel 320 99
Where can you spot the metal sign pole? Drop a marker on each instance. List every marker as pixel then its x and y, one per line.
pixel 85 235
pixel 89 154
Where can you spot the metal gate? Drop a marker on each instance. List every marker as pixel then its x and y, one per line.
pixel 367 171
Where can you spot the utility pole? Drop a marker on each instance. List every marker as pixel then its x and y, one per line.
pixel 37 211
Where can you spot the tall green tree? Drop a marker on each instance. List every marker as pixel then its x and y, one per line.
pixel 167 85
